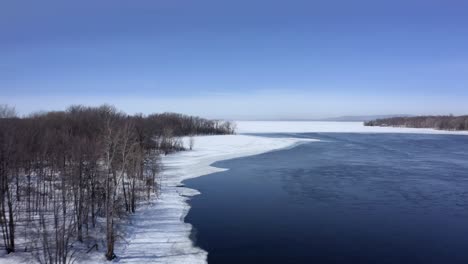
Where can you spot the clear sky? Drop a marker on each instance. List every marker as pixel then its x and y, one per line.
pixel 240 59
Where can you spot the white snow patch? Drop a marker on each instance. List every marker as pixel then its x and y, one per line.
pixel 158 231
pixel 317 126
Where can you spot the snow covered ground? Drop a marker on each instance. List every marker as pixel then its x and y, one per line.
pixel 316 126
pixel 158 233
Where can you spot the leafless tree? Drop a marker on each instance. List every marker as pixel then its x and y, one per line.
pixel 61 171
pixel 449 122
pixel 191 142
pixel 7 111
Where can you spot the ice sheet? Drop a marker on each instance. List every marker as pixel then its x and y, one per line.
pixel 317 126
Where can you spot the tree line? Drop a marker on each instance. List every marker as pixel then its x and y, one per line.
pixel 449 122
pixel 68 177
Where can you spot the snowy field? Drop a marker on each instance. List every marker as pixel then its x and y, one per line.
pixel 313 126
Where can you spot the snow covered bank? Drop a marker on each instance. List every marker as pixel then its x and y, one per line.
pixel 158 232
pixel 317 126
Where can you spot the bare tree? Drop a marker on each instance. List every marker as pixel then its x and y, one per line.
pixel 449 122
pixel 62 170
pixel 191 142
pixel 7 111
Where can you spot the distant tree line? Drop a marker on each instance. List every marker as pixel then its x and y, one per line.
pixel 449 122
pixel 67 177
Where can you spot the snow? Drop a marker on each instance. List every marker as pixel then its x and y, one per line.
pixel 317 126
pixel 15 258
pixel 158 233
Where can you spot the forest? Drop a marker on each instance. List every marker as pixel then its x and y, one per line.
pixel 68 177
pixel 450 122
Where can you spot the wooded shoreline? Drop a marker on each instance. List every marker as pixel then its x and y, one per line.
pixel 68 177
pixel 451 123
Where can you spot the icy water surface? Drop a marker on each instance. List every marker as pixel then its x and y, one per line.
pixel 351 198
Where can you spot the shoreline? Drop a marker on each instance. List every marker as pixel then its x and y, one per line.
pixel 158 231
pixel 414 180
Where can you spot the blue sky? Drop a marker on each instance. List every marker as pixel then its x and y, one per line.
pixel 237 59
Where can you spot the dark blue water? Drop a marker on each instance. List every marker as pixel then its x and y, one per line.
pixel 351 198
